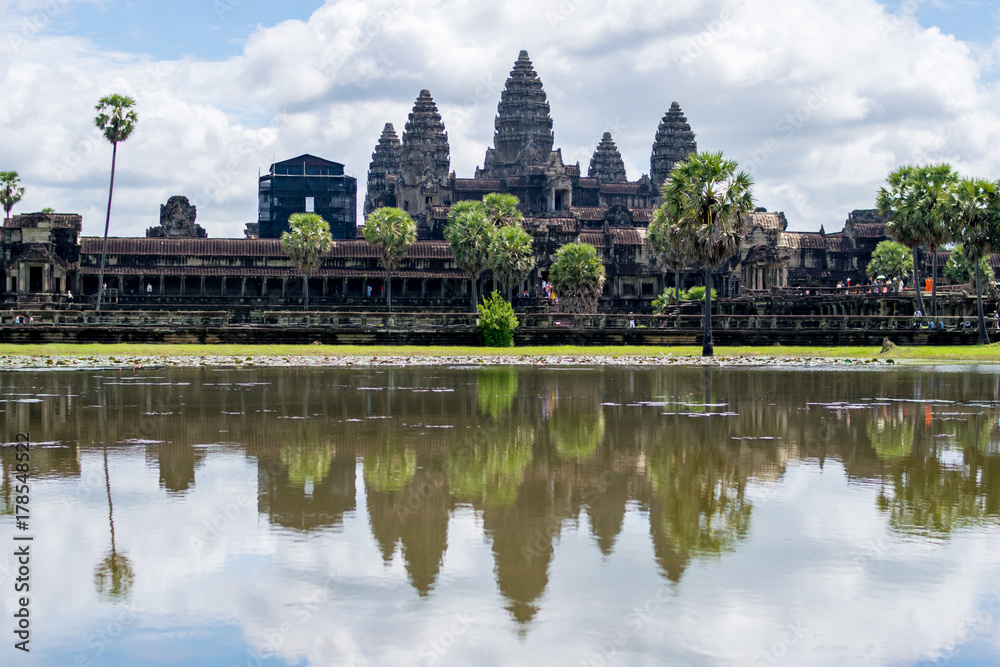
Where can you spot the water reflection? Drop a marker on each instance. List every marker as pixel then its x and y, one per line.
pixel 533 453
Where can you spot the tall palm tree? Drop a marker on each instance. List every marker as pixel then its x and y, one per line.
pixel 577 276
pixel 934 185
pixel 469 233
pixel 974 206
pixel 390 231
pixel 501 209
pixel 305 243
pixel 706 204
pixel 10 191
pixel 512 257
pixel 670 256
pixel 116 120
pixel 914 206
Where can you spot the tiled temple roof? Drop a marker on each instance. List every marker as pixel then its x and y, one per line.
pixel 479 184
pixel 802 240
pixel 263 272
pixel 837 243
pixel 589 212
pixel 91 245
pixel 869 230
pixel 619 236
pixel 767 220
pixel 619 188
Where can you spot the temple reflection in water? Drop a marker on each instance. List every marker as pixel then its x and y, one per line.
pixel 529 451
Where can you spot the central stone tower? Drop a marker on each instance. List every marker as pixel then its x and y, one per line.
pixel 424 159
pixel 523 136
pixel 674 141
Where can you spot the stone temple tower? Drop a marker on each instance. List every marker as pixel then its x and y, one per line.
pixel 523 125
pixel 425 158
pixel 674 142
pixel 383 172
pixel 607 165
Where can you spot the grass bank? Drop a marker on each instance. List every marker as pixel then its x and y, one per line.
pixel 967 354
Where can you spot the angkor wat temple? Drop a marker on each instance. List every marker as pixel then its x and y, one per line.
pixel 42 256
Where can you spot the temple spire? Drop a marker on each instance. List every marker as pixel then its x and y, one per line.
pixel 607 165
pixel 523 125
pixel 425 156
pixel 674 142
pixel 383 171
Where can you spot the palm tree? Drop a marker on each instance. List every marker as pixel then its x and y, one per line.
pixel 10 192
pixel 670 256
pixel 390 231
pixel 116 119
pixel 469 233
pixel 577 276
pixel 114 575
pixel 512 256
pixel 305 243
pixel 501 209
pixel 706 203
pixel 914 204
pixel 974 206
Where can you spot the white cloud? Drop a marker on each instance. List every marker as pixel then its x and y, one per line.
pixel 844 92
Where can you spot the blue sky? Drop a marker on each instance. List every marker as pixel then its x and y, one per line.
pixel 208 29
pixel 818 99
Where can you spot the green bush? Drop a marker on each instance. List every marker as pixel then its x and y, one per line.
pixel 666 299
pixel 497 321
pixel 697 293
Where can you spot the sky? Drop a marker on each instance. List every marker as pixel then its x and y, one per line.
pixel 818 100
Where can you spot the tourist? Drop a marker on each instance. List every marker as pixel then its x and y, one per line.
pixel 369 291
pixel 69 296
pixel 149 288
pixel 916 318
pixel 631 321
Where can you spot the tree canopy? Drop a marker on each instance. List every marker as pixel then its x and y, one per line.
pixel 390 231
pixel 915 203
pixel 116 119
pixel 469 233
pixel 577 276
pixel 706 204
pixel 890 260
pixel 511 256
pixel 10 191
pixel 974 208
pixel 305 243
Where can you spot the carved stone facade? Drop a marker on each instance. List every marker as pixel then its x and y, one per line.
pixel 424 159
pixel 43 255
pixel 177 221
pixel 674 141
pixel 384 171
pixel 607 165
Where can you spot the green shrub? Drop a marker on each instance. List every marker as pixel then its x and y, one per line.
pixel 666 299
pixel 697 293
pixel 497 321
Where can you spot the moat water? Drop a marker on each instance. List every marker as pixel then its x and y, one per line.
pixel 505 516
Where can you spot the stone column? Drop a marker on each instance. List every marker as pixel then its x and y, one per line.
pixel 202 286
pixel 223 288
pixel 243 286
pixel 163 285
pixel 326 286
pixel 183 284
